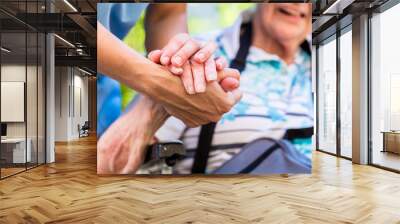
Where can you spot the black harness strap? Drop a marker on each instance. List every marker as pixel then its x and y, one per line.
pixel 207 131
pixel 203 148
pixel 299 133
pixel 246 33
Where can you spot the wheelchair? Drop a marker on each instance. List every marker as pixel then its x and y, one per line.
pixel 161 157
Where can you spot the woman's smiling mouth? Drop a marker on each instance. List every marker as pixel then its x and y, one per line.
pixel 291 12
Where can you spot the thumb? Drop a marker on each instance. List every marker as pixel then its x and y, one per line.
pixel 228 72
pixel 229 84
pixel 155 56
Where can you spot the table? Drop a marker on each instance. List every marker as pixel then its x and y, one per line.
pixel 13 150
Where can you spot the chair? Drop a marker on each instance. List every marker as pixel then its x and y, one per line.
pixel 84 130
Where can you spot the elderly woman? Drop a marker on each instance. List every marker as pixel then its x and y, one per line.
pixel 275 81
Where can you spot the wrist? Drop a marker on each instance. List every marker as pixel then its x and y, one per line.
pixel 157 82
pixel 148 116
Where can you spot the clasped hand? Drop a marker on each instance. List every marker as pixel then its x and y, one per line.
pixel 195 64
pixel 210 90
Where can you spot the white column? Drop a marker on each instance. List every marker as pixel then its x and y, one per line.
pixel 50 99
pixel 360 90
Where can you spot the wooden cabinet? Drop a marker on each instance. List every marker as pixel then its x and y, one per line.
pixel 391 142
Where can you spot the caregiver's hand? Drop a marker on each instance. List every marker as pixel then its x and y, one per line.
pixel 121 149
pixel 198 109
pixel 195 75
pixel 186 57
pixel 121 63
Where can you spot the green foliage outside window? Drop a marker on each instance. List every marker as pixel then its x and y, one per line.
pixel 135 40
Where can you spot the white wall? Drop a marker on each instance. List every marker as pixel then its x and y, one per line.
pixel 33 126
pixel 80 100
pixel 12 100
pixel 61 103
pixel 71 87
pixel 16 73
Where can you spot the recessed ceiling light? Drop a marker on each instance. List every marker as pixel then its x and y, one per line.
pixel 337 7
pixel 64 40
pixel 5 50
pixel 70 5
pixel 84 71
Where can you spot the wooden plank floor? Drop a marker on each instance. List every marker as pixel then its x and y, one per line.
pixel 69 191
pixel 10 171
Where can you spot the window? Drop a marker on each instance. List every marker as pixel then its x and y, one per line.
pixel 14 153
pixel 327 96
pixel 22 77
pixel 385 89
pixel 346 94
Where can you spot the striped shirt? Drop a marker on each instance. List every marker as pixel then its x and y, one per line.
pixel 276 97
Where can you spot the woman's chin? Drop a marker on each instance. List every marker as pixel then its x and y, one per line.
pixel 284 35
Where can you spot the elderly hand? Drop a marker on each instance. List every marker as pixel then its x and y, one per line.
pixel 121 149
pixel 185 57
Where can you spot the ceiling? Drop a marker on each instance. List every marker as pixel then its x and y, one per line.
pixel 75 21
pixel 332 15
pixel 72 20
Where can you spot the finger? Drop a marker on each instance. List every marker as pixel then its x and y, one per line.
pixel 187 78
pixel 188 50
pixel 173 46
pixel 228 72
pixel 235 95
pixel 210 70
pixel 198 77
pixel 155 56
pixel 221 63
pixel 175 70
pixel 229 84
pixel 205 52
